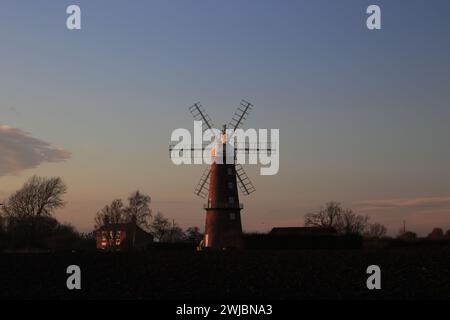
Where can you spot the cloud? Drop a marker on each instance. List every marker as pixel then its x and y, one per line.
pixel 418 202
pixel 20 151
pixel 421 214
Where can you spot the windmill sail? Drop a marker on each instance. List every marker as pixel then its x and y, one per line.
pixel 199 114
pixel 203 185
pixel 244 183
pixel 237 121
pixel 240 115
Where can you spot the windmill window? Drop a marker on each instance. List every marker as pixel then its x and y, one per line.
pixel 229 171
pixel 232 216
pixel 230 185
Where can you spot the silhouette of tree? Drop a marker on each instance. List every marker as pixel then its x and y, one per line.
pixel 436 234
pixel 375 230
pixel 62 237
pixel 173 234
pixel 38 197
pixel 139 209
pixel 40 232
pixel 29 210
pixel 193 234
pixel 327 217
pixel 110 214
pixel 351 223
pixel 334 216
pixel 160 226
pixel 166 231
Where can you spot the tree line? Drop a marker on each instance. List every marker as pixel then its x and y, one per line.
pixel 344 221
pixel 27 219
pixel 137 210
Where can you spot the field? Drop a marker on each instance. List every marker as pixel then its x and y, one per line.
pixel 407 273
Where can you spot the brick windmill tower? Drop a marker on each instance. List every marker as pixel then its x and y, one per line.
pixel 220 182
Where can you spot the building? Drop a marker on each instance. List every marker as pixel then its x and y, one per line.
pixel 302 231
pixel 122 237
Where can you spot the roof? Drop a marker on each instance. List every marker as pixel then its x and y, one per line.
pixel 295 231
pixel 120 226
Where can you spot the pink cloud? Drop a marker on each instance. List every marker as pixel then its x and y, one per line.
pixel 418 202
pixel 421 214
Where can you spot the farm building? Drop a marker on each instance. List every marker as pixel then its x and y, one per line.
pixel 122 236
pixel 302 231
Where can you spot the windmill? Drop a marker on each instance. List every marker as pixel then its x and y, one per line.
pixel 219 183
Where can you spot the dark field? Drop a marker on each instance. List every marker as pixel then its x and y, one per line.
pixel 406 273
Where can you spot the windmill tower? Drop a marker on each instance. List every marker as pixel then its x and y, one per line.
pixel 220 182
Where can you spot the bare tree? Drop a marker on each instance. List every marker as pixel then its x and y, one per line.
pixel 139 209
pixel 174 234
pixel 351 223
pixel 376 230
pixel 334 216
pixel 160 226
pixel 193 234
pixel 110 214
pixel 28 212
pixel 38 197
pixel 327 217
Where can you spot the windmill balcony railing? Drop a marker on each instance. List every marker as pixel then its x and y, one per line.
pixel 224 205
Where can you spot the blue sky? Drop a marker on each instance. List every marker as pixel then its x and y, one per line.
pixel 363 115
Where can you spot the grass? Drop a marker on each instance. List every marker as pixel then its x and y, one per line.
pixel 407 273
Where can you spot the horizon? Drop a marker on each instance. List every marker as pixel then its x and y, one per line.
pixel 363 116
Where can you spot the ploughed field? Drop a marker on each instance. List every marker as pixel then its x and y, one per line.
pixel 406 273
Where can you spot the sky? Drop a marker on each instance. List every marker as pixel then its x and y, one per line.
pixel 363 115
